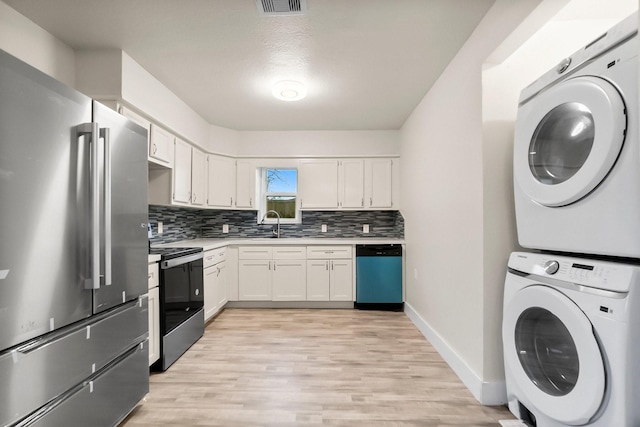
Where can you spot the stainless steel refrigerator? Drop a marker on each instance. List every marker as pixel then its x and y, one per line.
pixel 73 255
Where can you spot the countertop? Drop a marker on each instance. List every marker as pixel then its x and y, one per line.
pixel 207 244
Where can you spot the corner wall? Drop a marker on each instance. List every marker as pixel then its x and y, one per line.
pixel 33 45
pixel 445 195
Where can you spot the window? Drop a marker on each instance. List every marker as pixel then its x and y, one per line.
pixel 280 194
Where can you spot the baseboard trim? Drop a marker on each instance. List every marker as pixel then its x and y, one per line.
pixel 289 304
pixel 488 393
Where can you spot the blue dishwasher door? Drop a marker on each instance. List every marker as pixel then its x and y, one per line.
pixel 378 279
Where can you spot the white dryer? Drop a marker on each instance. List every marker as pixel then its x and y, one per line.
pixel 571 335
pixel 577 151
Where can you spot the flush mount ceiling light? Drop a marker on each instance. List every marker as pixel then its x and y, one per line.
pixel 289 90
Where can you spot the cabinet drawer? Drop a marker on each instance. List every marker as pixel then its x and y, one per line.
pixel 330 252
pixel 214 256
pixel 153 275
pixel 255 252
pixel 289 252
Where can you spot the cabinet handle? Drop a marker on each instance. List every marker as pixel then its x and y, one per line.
pixel 193 198
pixel 370 201
pixel 269 265
pixel 250 202
pixel 331 265
pixel 155 148
pixel 326 265
pixel 362 203
pixel 230 201
pixel 274 266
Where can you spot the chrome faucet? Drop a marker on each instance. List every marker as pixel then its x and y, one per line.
pixel 275 232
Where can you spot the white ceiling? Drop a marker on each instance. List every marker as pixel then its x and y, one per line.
pixel 367 63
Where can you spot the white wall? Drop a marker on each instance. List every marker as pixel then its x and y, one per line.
pixel 25 40
pixel 319 143
pixel 444 202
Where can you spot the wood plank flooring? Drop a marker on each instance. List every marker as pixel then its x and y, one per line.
pixel 290 367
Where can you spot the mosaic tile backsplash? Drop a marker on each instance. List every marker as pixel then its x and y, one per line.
pixel 186 223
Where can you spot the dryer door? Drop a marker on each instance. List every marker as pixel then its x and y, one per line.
pixel 567 139
pixel 553 355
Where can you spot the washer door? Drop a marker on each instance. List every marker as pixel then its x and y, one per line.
pixel 553 355
pixel 567 139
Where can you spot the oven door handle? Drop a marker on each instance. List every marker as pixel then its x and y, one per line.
pixel 170 263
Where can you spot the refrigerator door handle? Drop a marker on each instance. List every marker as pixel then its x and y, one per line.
pixel 92 129
pixel 104 134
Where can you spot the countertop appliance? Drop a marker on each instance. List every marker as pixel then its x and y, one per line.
pixel 570 335
pixel 181 302
pixel 73 255
pixel 576 153
pixel 379 277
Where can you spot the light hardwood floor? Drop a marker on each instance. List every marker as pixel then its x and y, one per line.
pixel 286 367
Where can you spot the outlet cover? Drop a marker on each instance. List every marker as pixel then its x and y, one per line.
pixel 160 228
pixel 324 228
pixel 225 228
pixel 365 228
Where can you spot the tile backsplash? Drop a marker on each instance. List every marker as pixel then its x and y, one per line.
pixel 187 223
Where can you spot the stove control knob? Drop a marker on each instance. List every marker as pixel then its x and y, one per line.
pixel 551 267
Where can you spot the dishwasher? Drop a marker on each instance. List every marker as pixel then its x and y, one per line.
pixel 379 277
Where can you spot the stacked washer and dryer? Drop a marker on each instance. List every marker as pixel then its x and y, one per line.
pixel 571 327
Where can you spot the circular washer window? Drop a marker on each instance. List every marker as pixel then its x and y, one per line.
pixel 547 351
pixel 567 139
pixel 561 143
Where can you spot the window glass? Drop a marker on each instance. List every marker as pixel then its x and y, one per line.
pixel 280 195
pixel 561 143
pixel 547 351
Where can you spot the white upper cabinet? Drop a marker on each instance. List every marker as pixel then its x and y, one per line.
pixel 351 183
pixel 245 185
pixel 379 183
pixel 160 145
pixel 221 181
pixel 319 184
pixel 182 173
pixel 198 175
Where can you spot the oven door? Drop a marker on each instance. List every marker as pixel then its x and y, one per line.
pixel 552 354
pixel 567 139
pixel 181 293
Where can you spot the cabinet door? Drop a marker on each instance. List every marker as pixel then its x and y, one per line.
pixel 289 280
pixel 318 280
pixel 221 180
pixel 254 280
pixel 222 284
pixel 245 184
pixel 319 184
pixel 341 280
pixel 351 183
pixel 379 182
pixel 182 172
pixel 210 279
pixel 160 145
pixel 154 325
pixel 198 173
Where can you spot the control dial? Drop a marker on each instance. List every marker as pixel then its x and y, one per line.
pixel 551 267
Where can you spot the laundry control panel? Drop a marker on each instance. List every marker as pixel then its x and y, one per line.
pixel 592 273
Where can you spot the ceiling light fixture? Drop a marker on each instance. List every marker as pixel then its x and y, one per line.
pixel 289 90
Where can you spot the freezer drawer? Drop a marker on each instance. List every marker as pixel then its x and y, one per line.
pixel 40 370
pixel 105 399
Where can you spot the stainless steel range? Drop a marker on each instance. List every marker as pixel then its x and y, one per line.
pixel 181 302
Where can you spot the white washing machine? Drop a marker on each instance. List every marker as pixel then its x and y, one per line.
pixel 571 335
pixel 577 151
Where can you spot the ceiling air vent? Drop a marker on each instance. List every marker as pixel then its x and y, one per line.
pixel 282 7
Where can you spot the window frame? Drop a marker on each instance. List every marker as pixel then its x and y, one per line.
pixel 264 194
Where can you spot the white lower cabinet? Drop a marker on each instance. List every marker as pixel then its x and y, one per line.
pixel 154 312
pixel 215 282
pixel 295 273
pixel 289 280
pixel 330 273
pixel 254 280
